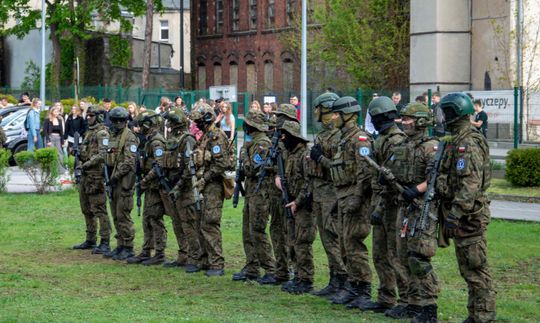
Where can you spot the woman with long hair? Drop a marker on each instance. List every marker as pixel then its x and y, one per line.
pixel 53 131
pixel 33 125
pixel 227 121
pixel 255 105
pixel 74 123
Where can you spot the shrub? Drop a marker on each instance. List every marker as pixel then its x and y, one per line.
pixel 4 163
pixel 523 167
pixel 11 99
pixel 41 166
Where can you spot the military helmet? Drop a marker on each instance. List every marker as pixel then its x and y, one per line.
pixel 346 104
pixel 420 112
pixel 326 100
pixel 271 121
pixel 381 105
pixel 256 120
pixel 176 117
pixel 95 109
pixel 203 112
pixel 286 109
pixel 119 114
pixel 148 119
pixel 455 106
pixel 293 128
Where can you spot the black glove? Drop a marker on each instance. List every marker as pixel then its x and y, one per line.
pixel 411 193
pixel 382 180
pixel 376 218
pixel 316 153
pixel 113 181
pixel 451 224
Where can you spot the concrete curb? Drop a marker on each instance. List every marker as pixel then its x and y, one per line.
pixel 514 198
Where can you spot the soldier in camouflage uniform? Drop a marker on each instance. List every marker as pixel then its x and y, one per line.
pixel 351 176
pixel 91 190
pixel 411 165
pixel 391 273
pixel 186 219
pixel 155 234
pixel 324 193
pixel 305 228
pixel 120 161
pixel 463 180
pixel 212 160
pixel 256 208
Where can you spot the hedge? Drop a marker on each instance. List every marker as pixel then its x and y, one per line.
pixel 523 167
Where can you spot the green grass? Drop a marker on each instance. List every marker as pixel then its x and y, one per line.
pixel 42 279
pixel 502 186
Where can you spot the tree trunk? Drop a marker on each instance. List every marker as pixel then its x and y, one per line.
pixel 147 56
pixel 56 62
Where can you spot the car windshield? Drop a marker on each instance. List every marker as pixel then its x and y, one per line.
pixel 12 116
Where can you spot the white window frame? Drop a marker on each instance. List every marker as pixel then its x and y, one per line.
pixel 162 28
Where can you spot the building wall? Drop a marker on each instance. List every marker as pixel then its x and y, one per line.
pixel 252 57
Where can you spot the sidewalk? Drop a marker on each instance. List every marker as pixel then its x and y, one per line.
pixel 20 183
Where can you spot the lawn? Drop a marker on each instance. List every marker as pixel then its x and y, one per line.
pixel 42 279
pixel 503 187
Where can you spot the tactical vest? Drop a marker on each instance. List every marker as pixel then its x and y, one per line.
pixel 172 157
pixel 90 145
pixel 149 150
pixel 405 162
pixel 116 144
pixel 343 165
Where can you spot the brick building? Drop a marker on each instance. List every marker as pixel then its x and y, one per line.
pixel 237 42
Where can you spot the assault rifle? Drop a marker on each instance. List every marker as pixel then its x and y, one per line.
pixel 387 174
pixel 238 188
pixel 163 180
pixel 270 159
pixel 429 195
pixel 108 186
pixel 77 173
pixel 138 178
pixel 284 186
pixel 193 173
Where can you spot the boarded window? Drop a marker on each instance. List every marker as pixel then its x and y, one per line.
pixel 201 77
pixel 251 77
pixel 203 17
pixel 268 76
pixel 233 73
pixel 217 74
pixel 288 71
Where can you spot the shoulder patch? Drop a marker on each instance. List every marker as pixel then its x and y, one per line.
pixel 216 149
pixel 257 159
pixel 364 151
pixel 362 138
pixel 105 141
pixel 460 164
pixel 462 149
pixel 133 148
pixel 158 152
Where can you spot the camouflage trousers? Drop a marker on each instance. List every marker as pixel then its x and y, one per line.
pixel 305 231
pixel 177 224
pixel 471 255
pixel 187 228
pixel 278 234
pixel 155 233
pixel 329 231
pixel 414 254
pixel 121 206
pixel 391 273
pixel 355 229
pixel 258 210
pixel 94 209
pixel 211 224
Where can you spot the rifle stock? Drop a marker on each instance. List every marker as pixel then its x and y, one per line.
pixel 193 173
pixel 270 159
pixel 238 188
pixel 284 186
pixel 138 176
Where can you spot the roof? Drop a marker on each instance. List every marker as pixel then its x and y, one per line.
pixel 175 4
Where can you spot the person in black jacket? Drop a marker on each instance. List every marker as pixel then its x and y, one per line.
pixel 74 123
pixel 53 132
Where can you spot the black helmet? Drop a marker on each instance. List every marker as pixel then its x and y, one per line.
pixel 346 104
pixel 119 114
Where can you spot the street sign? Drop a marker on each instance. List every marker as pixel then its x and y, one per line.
pixel 227 92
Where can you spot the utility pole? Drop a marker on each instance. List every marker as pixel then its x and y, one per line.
pixel 181 44
pixel 303 72
pixel 42 76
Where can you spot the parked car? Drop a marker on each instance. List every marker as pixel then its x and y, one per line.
pixel 13 126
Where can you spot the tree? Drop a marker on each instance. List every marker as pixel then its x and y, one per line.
pixel 147 55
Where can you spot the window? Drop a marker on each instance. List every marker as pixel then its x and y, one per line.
pixel 268 76
pixel 288 71
pixel 217 74
pixel 233 73
pixel 291 9
pixel 252 14
pixel 251 77
pixel 201 77
pixel 235 23
pixel 164 30
pixel 271 15
pixel 219 16
pixel 203 17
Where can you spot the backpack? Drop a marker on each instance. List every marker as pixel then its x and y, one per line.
pixel 26 126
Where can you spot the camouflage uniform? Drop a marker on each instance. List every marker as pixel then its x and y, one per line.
pixel 91 190
pixel 390 271
pixel 120 161
pixel 463 181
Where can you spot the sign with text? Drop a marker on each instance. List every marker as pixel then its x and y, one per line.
pixel 227 92
pixel 499 105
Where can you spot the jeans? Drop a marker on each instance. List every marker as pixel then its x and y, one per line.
pixel 31 144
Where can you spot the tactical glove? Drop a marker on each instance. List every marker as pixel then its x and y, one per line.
pixel 316 153
pixel 113 181
pixel 451 224
pixel 411 193
pixel 376 218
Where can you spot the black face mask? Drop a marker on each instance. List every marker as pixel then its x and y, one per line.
pixel 290 142
pixel 246 128
pixel 381 122
pixel 200 124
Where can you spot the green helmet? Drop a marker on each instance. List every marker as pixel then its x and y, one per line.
pixel 420 112
pixel 293 128
pixel 346 104
pixel 455 106
pixel 287 110
pixel 148 119
pixel 176 117
pixel 326 100
pixel 380 105
pixel 119 113
pixel 98 111
pixel 256 120
pixel 203 112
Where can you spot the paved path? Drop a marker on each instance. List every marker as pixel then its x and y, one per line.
pixel 515 210
pixel 20 183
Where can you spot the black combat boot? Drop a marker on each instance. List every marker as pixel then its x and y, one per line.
pixel 243 276
pixel 143 256
pixel 113 252
pixel 346 295
pixel 402 311
pixel 127 252
pixel 378 307
pixel 268 279
pixel 428 314
pixel 86 245
pixel 158 259
pixel 286 287
pixel 174 263
pixel 102 248
pixel 301 287
pixel 363 300
pixel 331 288
pixel 214 272
pixel 190 269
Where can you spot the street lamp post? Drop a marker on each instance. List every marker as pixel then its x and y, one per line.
pixel 303 72
pixel 42 76
pixel 181 44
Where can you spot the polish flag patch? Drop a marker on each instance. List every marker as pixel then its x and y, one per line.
pixel 362 138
